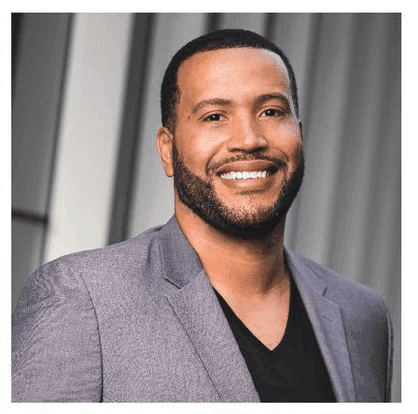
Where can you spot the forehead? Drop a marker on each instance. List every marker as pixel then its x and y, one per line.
pixel 232 70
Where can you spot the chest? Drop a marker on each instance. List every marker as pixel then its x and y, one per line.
pixel 267 323
pixel 292 370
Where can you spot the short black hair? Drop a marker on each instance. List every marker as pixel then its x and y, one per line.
pixel 218 39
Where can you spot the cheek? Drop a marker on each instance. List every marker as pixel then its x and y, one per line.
pixel 286 137
pixel 292 130
pixel 197 149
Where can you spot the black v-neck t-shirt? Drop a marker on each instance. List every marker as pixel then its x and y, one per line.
pixel 292 372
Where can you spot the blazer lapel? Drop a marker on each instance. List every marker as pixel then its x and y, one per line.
pixel 326 319
pixel 202 317
pixel 198 309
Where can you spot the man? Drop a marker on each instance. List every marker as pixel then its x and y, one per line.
pixel 211 306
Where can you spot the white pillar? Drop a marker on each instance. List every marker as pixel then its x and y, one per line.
pixel 88 142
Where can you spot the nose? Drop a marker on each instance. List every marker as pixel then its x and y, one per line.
pixel 246 135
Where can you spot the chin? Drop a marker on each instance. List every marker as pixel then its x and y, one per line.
pixel 249 222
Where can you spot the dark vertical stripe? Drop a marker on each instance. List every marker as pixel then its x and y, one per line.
pixel 17 19
pixel 311 67
pixel 66 46
pixel 213 22
pixel 133 108
pixel 269 23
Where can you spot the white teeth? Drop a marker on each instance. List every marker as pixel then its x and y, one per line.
pixel 244 175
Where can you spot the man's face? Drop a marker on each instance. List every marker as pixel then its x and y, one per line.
pixel 237 150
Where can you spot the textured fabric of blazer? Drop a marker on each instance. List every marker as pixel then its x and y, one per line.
pixel 139 321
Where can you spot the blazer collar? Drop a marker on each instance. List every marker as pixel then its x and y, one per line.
pixel 327 322
pixel 180 262
pixel 198 309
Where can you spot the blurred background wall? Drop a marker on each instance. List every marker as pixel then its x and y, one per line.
pixel 85 172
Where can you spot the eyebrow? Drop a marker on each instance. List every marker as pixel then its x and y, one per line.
pixel 211 102
pixel 273 96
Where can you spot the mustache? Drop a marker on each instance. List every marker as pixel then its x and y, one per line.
pixel 279 162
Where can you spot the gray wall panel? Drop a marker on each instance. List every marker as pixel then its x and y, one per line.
pixel 38 80
pixel 27 240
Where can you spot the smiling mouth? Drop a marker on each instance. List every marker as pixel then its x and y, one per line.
pixel 244 175
pixel 256 170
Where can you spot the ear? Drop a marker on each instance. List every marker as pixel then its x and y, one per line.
pixel 165 150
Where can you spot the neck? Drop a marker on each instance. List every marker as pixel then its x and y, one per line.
pixel 246 267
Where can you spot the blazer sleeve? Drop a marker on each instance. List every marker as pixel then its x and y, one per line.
pixel 56 353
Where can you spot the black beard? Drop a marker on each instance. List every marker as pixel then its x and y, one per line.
pixel 199 196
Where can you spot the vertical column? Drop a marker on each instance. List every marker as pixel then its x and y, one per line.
pixel 132 113
pixel 88 143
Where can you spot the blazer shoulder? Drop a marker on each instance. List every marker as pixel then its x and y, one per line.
pixel 136 247
pixel 110 260
pixel 58 318
pixel 342 290
pixel 366 320
pixel 77 276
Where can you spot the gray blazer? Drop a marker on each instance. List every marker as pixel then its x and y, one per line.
pixel 139 321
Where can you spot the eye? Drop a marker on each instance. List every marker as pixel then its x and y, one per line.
pixel 214 118
pixel 272 112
